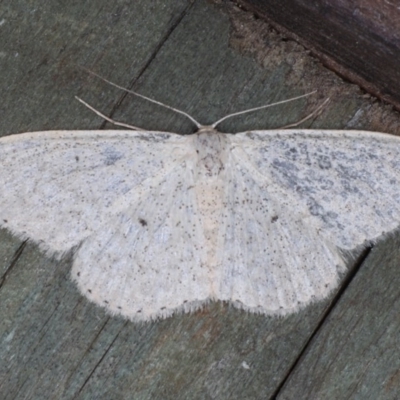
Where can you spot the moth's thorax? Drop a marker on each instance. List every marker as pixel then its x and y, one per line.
pixel 212 152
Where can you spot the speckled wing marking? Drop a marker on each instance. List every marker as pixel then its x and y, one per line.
pixel 273 258
pixel 160 252
pixel 167 222
pixel 299 197
pixel 58 186
pixel 349 181
pixel 150 259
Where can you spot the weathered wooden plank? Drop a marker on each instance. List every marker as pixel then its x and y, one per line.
pixel 54 343
pixel 51 41
pixel 357 39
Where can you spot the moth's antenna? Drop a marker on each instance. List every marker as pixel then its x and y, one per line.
pixel 107 118
pixel 260 108
pixel 146 98
pixel 314 113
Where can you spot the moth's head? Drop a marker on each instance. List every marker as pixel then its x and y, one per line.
pixel 207 129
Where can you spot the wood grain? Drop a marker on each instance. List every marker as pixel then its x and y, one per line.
pixel 360 40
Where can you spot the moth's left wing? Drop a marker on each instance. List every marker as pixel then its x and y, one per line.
pixel 56 187
pixel 274 261
pixel 349 181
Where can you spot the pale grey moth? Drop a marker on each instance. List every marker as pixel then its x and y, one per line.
pixel 162 222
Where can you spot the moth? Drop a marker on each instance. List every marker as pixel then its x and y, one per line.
pixel 162 223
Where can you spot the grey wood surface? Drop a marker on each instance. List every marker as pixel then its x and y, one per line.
pixel 208 59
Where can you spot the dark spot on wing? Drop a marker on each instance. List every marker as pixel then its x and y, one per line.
pixel 142 222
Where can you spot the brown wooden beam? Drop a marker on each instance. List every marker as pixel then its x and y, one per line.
pixel 360 40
